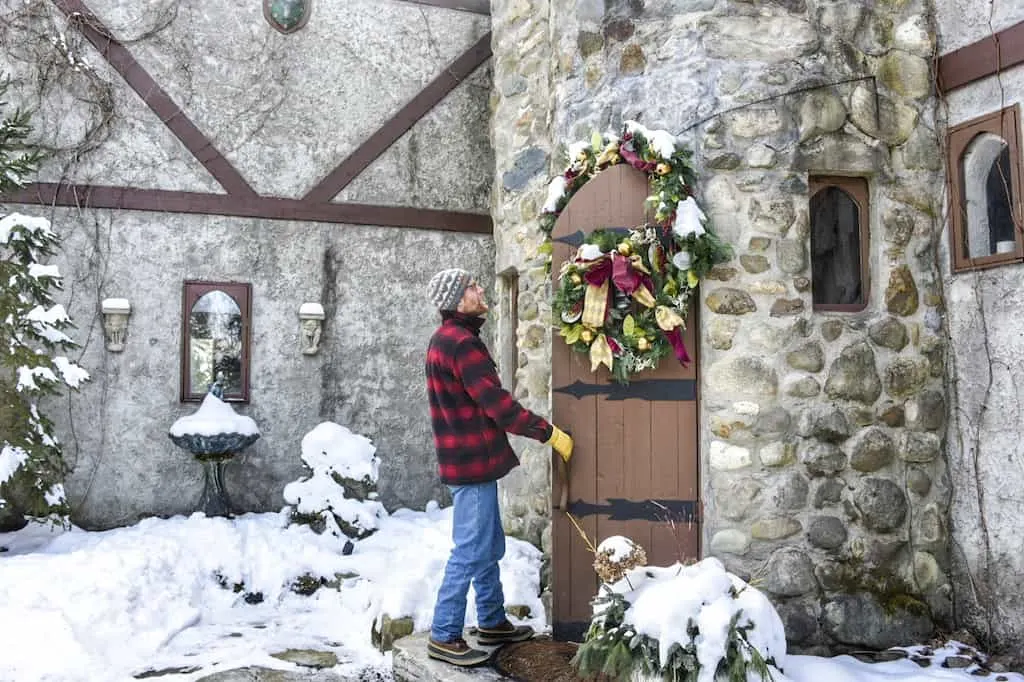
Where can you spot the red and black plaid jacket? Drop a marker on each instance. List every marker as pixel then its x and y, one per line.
pixel 469 409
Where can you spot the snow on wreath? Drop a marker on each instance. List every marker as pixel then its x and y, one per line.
pixel 623 295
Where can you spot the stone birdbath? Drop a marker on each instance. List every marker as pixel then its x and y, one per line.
pixel 214 434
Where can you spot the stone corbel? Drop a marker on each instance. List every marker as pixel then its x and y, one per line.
pixel 115 322
pixel 311 316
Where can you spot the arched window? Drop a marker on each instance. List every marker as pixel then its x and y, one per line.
pixel 215 340
pixel 985 191
pixel 839 241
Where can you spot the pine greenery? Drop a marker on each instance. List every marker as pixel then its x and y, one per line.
pixel 32 339
pixel 613 648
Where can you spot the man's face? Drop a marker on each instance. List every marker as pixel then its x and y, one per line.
pixel 473 300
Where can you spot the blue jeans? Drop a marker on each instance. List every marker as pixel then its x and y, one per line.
pixel 479 545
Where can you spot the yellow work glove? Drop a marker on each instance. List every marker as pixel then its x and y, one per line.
pixel 561 442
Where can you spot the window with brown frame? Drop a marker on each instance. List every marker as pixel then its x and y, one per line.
pixel 983 171
pixel 839 242
pixel 215 340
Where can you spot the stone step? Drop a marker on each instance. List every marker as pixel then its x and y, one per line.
pixel 411 663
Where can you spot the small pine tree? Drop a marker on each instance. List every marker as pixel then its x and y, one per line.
pixel 32 339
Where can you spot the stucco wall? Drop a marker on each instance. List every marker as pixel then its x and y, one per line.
pixel 984 312
pixel 284 110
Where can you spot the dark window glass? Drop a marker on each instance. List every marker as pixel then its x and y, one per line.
pixel 836 248
pixel 999 192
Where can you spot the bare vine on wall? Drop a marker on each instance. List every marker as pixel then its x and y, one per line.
pixel 972 422
pixel 79 104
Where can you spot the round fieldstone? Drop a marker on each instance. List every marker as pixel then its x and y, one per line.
pixel 721 331
pixel 735 498
pixel 730 541
pixel 751 377
pixel 754 264
pixel 799 620
pixel 899 226
pixel 905 377
pixel 809 357
pixel 527 165
pixel 788 573
pixel 881 503
pixel 831 426
pixel 926 570
pixel 726 457
pixel 723 161
pixel 789 492
pixel 774 528
pixel 773 423
pixel 872 450
pixel 827 532
pixel 901 297
pixel 803 387
pixel 620 29
pixel 918 481
pixel 829 491
pixel 927 411
pixel 853 375
pixel 633 59
pixel 759 243
pixel 823 458
pixel 892 415
pixel 777 454
pixel 791 256
pixel 801 284
pixel 929 531
pixel 862 620
pixel 729 301
pixel 920 447
pixel 831 329
pixel 786 306
pixel 889 333
pixel 821 112
pixel 588 43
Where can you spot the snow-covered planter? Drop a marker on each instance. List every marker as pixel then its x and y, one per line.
pixel 340 495
pixel 679 623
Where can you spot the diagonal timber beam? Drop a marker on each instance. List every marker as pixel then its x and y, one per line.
pixel 155 97
pixel 400 123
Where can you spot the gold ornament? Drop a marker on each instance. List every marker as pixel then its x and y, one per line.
pixel 575 278
pixel 663 168
pixel 625 248
pixel 642 343
pixel 587 336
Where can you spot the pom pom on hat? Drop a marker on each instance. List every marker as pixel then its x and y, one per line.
pixel 446 288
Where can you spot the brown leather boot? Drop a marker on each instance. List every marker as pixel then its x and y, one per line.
pixel 456 652
pixel 503 633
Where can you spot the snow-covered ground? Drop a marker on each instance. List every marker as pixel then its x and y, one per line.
pixel 100 606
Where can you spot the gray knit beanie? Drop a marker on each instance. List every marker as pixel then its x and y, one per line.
pixel 446 288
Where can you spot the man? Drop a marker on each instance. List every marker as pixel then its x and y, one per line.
pixel 471 414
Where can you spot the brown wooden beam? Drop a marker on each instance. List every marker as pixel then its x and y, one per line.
pixel 266 208
pixel 474 6
pixel 984 58
pixel 155 97
pixel 401 122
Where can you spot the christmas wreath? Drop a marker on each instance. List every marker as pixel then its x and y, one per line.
pixel 623 295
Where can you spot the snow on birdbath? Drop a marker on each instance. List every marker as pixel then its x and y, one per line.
pixel 214 434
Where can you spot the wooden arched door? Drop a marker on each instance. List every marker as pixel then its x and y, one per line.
pixel 634 471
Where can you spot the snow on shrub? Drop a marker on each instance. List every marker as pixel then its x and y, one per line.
pixel 695 623
pixel 340 495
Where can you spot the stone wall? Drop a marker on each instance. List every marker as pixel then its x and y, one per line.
pixel 284 110
pixel 986 343
pixel 821 432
